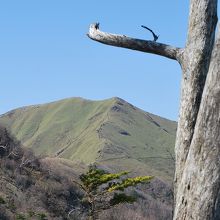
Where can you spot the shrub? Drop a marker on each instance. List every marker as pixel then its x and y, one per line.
pixel 20 216
pixel 41 216
pixel 23 181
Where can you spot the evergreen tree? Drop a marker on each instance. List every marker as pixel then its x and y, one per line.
pixel 103 190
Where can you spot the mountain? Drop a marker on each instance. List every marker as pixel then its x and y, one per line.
pixel 110 132
pixel 72 133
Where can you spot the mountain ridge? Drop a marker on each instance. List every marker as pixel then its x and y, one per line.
pixel 107 131
pixel 112 134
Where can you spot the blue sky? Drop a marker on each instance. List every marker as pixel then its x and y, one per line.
pixel 45 54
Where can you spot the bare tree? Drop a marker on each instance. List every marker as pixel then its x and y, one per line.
pixel 197 173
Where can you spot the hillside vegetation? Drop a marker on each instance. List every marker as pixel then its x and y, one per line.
pixel 72 133
pixel 29 188
pixel 35 188
pixel 109 132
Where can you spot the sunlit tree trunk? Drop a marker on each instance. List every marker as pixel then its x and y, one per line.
pixel 198 191
pixel 197 174
pixel 195 65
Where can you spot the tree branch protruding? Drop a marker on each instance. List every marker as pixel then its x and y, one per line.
pixel 146 46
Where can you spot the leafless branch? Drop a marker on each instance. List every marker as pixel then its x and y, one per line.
pixel 80 185
pixel 73 210
pixel 4 147
pixel 134 44
pixel 13 153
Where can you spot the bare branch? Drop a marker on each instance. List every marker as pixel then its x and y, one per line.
pixel 13 153
pixel 81 186
pixel 3 147
pixel 134 44
pixel 73 210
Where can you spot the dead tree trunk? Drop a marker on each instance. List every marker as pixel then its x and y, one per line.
pixel 197 176
pixel 199 188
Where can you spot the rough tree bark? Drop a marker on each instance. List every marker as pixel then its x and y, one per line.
pixel 197 176
pixel 199 189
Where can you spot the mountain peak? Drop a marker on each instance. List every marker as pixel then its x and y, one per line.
pixel 92 131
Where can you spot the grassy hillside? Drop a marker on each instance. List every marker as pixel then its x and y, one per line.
pixel 111 132
pixel 34 188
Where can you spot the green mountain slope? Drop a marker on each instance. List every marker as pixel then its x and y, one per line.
pixel 111 132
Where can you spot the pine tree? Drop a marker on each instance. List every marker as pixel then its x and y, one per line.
pixel 103 190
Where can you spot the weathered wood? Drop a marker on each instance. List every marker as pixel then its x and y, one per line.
pixel 199 190
pixel 195 64
pixel 134 44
